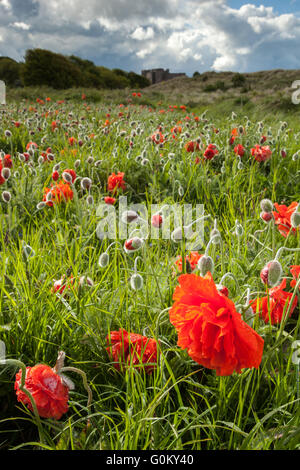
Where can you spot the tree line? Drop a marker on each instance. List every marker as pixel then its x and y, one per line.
pixel 45 68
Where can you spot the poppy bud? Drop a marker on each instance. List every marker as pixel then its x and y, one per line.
pixel 67 177
pixel 77 163
pixel 7 133
pixel 176 235
pixel 55 175
pixel 222 289
pixel 283 153
pixel 136 282
pixel 266 216
pixel 40 160
pixel 5 173
pixel 84 280
pixel 41 205
pixel 90 160
pixel 266 205
pixel 157 220
pixel 28 251
pixel 129 216
pixel 239 231
pixel 215 233
pixel 50 157
pixel 6 196
pixel 86 183
pixel 295 219
pixel 90 200
pixel 103 260
pixel 271 273
pixel 205 265
pixel 133 244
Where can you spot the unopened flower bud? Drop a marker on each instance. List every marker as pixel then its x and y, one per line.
pixel 266 216
pixel 266 205
pixel 295 219
pixel 156 220
pixel 41 205
pixel 283 153
pixel 136 282
pixel 129 216
pixel 77 163
pixel 67 177
pixel 103 260
pixel 133 244
pixel 86 183
pixel 6 196
pixel 222 289
pixel 239 231
pixel 5 173
pixel 28 251
pixel 271 273
pixel 90 200
pixel 205 265
pixel 215 233
pixel 84 280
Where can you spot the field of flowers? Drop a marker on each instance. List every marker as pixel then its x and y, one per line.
pixel 142 341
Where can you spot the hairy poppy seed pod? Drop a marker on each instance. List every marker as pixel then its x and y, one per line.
pixel 240 165
pixel 56 167
pixel 266 216
pixel 6 196
pixel 90 200
pixel 5 173
pixel 266 205
pixel 177 234
pixel 205 265
pixel 41 205
pixel 129 216
pixel 77 163
pixel 7 133
pixel 22 157
pixel 97 163
pixel 180 191
pixel 103 260
pixel 271 273
pixel 50 157
pixel 40 160
pixel 283 153
pixel 67 177
pixel 144 162
pixel 136 282
pixel 295 219
pixel 241 130
pixel 86 183
pixel 90 160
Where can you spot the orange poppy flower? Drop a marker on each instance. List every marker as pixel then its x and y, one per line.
pixel 60 192
pixel 295 271
pixel 283 217
pixel 131 348
pixel 50 394
pixel 275 304
pixel 191 261
pixel 211 329
pixel 116 181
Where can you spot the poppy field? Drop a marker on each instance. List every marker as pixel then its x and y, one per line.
pixel 145 341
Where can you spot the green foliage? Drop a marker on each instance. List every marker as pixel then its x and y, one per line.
pixel 10 71
pixel 238 80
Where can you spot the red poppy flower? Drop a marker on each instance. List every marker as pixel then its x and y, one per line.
pixel 157 138
pixel 191 261
pixel 116 181
pixel 55 175
pixel 7 161
pixel 60 192
pixel 2 180
pixel 50 394
pixel 273 306
pixel 295 271
pixel 156 220
pixel 191 146
pixel 210 152
pixel 261 154
pixel 30 145
pixel 239 150
pixel 109 200
pixel 60 285
pixel 283 217
pixel 124 347
pixel 211 329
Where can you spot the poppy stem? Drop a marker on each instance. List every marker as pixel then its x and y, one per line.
pixel 84 380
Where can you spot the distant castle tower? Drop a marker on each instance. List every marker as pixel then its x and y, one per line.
pixel 160 75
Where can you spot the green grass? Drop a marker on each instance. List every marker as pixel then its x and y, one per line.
pixel 181 405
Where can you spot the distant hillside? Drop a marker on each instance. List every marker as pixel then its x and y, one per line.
pixel 269 89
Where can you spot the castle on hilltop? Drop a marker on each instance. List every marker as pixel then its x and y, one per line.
pixel 160 75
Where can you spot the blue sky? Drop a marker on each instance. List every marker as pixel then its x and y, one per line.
pixel 182 35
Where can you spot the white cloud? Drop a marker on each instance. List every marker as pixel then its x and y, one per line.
pixel 20 25
pixel 142 34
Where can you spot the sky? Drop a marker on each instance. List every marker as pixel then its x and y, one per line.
pixel 182 35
